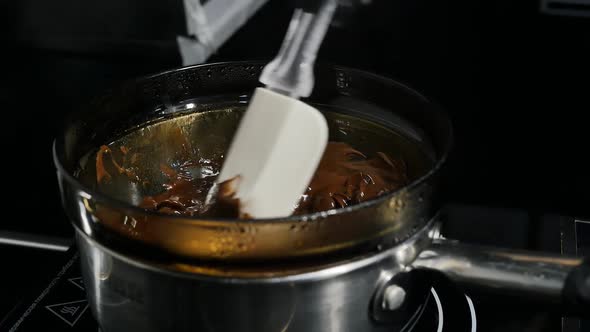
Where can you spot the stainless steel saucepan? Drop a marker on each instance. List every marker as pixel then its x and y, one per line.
pixel 359 268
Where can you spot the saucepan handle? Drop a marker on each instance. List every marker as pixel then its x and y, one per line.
pixel 549 279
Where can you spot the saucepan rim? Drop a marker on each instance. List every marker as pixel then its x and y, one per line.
pixel 102 198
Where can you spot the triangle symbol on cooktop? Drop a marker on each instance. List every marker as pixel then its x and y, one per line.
pixel 78 282
pixel 69 312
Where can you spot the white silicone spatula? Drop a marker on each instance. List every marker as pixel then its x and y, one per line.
pixel 280 140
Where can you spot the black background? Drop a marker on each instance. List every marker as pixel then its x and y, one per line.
pixel 514 81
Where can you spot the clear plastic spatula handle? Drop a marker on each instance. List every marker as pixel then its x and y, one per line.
pixel 291 72
pixel 280 140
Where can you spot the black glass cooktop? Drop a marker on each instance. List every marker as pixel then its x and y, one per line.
pixel 58 303
pixel 62 306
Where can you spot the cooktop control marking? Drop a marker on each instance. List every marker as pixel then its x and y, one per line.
pixel 69 312
pixel 78 282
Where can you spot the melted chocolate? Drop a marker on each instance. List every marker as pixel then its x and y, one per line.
pixel 344 177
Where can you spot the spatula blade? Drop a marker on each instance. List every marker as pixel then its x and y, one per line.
pixel 275 152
